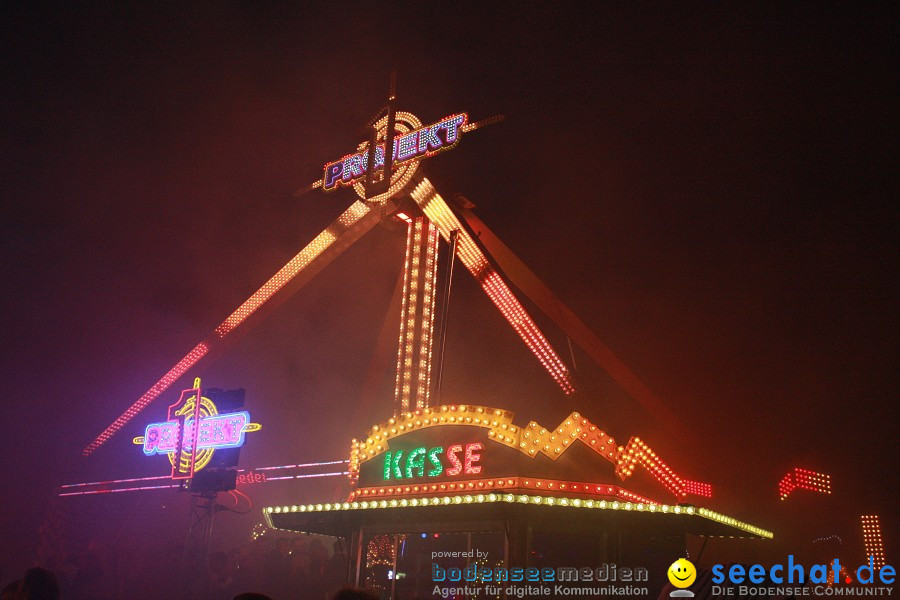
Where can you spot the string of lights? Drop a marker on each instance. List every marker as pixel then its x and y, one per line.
pixel 804 479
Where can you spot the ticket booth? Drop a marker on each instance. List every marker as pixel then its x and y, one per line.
pixel 463 490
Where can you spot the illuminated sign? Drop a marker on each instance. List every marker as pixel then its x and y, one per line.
pixel 477 449
pixel 421 461
pixel 220 431
pixel 192 424
pixel 419 143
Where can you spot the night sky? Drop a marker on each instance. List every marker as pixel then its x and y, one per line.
pixel 713 191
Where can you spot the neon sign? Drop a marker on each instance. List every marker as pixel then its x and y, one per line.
pixel 420 143
pixel 195 424
pixel 220 431
pixel 422 461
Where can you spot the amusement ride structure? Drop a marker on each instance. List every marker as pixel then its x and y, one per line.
pixel 433 467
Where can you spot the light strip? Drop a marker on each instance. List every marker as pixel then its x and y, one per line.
pixel 131 489
pixel 429 281
pixel 503 484
pixel 315 464
pixel 412 308
pixel 400 402
pixel 310 476
pixel 131 480
pixel 638 452
pixel 519 499
pixel 158 477
pixel 315 248
pixel 871 529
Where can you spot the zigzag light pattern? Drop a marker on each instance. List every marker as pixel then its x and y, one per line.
pixel 637 452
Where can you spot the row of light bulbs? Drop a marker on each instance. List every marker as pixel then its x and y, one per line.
pixel 519 499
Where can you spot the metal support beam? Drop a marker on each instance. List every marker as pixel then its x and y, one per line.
pixel 195 558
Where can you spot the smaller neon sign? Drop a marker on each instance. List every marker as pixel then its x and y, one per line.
pixel 190 442
pixel 219 431
pixel 423 142
pixel 422 461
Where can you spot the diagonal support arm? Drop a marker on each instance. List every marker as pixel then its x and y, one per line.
pixel 529 284
pixel 474 259
pixel 351 225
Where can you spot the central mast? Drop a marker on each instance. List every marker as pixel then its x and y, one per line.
pixel 413 385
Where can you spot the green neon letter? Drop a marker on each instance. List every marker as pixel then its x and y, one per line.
pixel 396 464
pixel 387 465
pixel 436 461
pixel 416 462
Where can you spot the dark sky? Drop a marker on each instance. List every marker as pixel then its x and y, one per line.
pixel 712 190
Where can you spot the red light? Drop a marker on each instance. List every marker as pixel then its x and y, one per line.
pixel 696 488
pixel 804 479
pixel 871 529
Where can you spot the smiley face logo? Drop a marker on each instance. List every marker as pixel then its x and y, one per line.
pixel 682 573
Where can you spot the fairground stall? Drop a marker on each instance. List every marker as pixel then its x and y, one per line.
pixel 457 486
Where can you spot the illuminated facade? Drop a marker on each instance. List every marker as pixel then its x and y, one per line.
pixel 533 440
pixel 452 475
pixel 803 479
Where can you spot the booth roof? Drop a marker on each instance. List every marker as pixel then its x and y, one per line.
pixel 490 512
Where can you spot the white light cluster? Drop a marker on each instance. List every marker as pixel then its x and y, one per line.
pixel 416 316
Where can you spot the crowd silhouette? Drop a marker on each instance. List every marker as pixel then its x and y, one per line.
pixel 298 568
